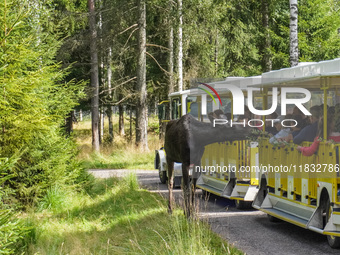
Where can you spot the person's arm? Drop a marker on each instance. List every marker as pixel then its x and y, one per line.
pixel 272 139
pixel 309 151
pixel 302 136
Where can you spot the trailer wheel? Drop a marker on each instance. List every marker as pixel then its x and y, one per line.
pixel 242 205
pixel 333 241
pixel 162 174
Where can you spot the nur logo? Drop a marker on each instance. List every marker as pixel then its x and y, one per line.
pixel 239 99
pixel 213 90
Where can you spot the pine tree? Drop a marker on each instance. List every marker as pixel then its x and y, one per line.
pixel 34 101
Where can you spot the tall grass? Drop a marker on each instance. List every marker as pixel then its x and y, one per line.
pixel 117 217
pixel 121 154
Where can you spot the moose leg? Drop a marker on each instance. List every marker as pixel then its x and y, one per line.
pixel 170 183
pixel 196 172
pixel 193 190
pixel 194 178
pixel 186 189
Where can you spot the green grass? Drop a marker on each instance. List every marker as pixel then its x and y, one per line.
pixel 120 159
pixel 116 217
pixel 122 153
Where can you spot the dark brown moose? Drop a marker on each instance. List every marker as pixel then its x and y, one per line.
pixel 185 140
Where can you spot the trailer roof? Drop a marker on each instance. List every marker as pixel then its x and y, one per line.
pixel 311 75
pixel 307 75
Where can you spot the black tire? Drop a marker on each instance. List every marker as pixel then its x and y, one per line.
pixel 333 241
pixel 242 205
pixel 272 218
pixel 162 175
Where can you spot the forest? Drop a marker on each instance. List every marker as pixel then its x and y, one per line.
pixel 118 59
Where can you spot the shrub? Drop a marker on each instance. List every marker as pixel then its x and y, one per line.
pixel 12 230
pixel 34 103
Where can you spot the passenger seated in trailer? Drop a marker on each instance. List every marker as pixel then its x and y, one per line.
pixel 270 129
pixel 295 130
pixel 305 120
pixel 217 114
pixel 309 132
pixel 331 110
pixel 246 116
pixel 282 131
pixel 258 117
pixel 228 115
pixel 333 132
pixel 247 113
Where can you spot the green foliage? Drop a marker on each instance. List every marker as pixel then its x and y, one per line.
pixel 12 230
pixel 131 181
pixel 117 217
pixel 120 159
pixel 318 25
pixel 318 30
pixel 53 200
pixel 34 102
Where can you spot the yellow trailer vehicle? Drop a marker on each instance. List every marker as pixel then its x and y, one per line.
pixel 303 190
pixel 221 162
pixel 225 166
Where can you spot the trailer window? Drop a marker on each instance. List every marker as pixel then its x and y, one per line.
pixel 192 106
pixel 164 111
pixel 175 108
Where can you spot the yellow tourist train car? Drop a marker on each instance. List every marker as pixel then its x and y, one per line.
pixel 303 190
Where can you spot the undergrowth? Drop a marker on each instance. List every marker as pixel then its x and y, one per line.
pixel 117 217
pixel 122 153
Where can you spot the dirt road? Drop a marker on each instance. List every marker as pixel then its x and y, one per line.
pixel 249 230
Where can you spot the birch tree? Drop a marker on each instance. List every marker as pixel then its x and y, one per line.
pixel 293 35
pixel 180 46
pixel 266 59
pixel 171 49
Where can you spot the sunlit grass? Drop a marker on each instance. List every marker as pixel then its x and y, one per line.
pixel 122 153
pixel 117 217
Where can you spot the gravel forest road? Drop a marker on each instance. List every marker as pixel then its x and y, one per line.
pixel 250 230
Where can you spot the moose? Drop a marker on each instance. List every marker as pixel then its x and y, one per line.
pixel 185 141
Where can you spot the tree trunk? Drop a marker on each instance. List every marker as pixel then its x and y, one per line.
pixel 141 106
pixel 69 123
pixel 266 56
pixel 216 53
pixel 121 116
pixel 121 120
pixel 102 119
pixel 130 131
pixel 94 77
pixel 180 46
pixel 171 50
pixel 293 38
pixel 80 115
pixel 109 118
pixel 101 70
pixel 109 107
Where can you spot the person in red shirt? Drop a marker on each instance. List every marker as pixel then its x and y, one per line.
pixel 333 134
